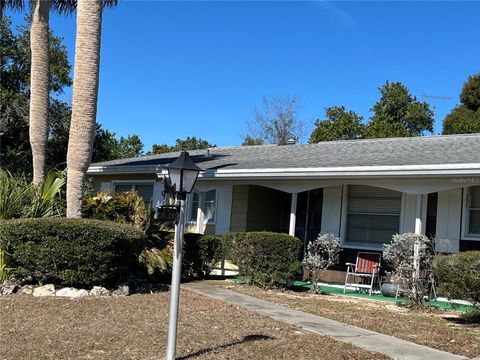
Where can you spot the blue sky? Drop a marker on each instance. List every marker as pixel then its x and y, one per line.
pixel 177 69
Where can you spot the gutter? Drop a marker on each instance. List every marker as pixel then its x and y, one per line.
pixel 437 170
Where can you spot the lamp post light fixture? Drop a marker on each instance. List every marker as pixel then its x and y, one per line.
pixel 183 174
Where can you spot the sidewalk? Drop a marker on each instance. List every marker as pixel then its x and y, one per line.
pixel 365 339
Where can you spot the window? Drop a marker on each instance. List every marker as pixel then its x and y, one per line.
pixel 145 190
pixel 373 215
pixel 473 211
pixel 204 201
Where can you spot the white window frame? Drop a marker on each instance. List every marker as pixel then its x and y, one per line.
pixel 189 208
pixel 465 216
pixel 343 227
pixel 133 183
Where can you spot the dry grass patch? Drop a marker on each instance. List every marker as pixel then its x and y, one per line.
pixel 429 328
pixel 135 327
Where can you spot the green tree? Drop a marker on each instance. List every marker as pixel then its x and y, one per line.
pixel 16 155
pixel 190 143
pixel 249 141
pixel 470 96
pixel 465 118
pixel 398 114
pixel 339 125
pixel 128 147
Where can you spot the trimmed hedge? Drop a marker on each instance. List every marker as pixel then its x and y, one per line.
pixel 211 251
pixel 459 275
pixel 75 252
pixel 265 258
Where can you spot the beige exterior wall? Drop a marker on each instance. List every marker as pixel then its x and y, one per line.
pixel 238 220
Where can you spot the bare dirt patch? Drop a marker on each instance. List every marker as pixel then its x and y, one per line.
pixel 430 328
pixel 135 327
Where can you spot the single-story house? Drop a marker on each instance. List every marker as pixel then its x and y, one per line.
pixel 364 191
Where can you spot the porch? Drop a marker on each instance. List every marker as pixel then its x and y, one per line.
pixel 363 213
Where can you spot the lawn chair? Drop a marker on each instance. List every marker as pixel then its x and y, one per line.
pixel 366 268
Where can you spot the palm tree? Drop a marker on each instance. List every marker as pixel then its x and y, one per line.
pixel 39 79
pixel 12 4
pixel 39 86
pixel 84 105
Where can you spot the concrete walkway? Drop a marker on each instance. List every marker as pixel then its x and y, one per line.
pixel 365 339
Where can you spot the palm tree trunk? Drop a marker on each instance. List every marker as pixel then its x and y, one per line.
pixel 84 106
pixel 39 86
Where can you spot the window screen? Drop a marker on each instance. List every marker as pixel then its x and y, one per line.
pixel 474 211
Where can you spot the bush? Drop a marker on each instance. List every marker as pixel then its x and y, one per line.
pixel 76 252
pixel 21 199
pixel 191 260
pixel 459 275
pixel 157 256
pixel 400 256
pixel 125 207
pixel 322 253
pixel 211 251
pixel 265 258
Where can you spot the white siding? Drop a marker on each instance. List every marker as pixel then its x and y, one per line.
pixel 409 204
pixel 449 220
pixel 332 210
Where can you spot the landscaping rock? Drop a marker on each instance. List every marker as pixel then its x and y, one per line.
pixel 8 289
pixel 46 290
pixel 99 291
pixel 71 292
pixel 25 290
pixel 123 290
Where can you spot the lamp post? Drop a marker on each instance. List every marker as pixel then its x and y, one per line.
pixel 183 174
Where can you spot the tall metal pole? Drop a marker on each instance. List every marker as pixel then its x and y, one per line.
pixel 176 277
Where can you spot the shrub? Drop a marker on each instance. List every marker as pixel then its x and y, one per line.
pixel 191 261
pixel 125 207
pixel 400 256
pixel 265 258
pixel 77 252
pixel 211 251
pixel 157 256
pixel 459 275
pixel 322 253
pixel 21 199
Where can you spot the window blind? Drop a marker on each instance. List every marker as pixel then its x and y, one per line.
pixel 373 214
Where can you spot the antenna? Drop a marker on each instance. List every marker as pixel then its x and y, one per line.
pixel 436 98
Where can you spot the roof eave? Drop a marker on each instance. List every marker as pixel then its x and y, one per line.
pixel 435 170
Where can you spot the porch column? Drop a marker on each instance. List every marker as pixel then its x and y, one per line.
pixel 200 214
pixel 293 214
pixel 416 246
pixel 418 215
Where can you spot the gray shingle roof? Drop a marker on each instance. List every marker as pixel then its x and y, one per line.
pixel 453 149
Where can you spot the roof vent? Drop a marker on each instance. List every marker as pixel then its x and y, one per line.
pixel 291 142
pixel 207 152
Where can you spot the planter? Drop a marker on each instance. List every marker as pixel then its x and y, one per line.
pixel 389 289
